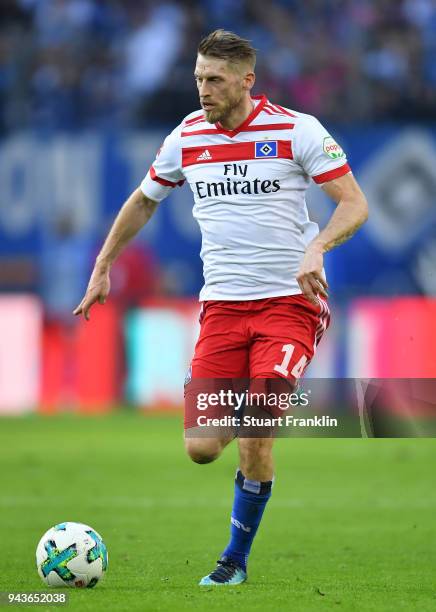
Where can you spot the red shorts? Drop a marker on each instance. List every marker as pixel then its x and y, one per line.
pixel 255 339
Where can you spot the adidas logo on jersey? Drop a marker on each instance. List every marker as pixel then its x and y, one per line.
pixel 205 156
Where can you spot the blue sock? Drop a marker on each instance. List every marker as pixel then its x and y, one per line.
pixel 250 500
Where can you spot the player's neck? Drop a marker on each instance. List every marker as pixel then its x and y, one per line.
pixel 238 115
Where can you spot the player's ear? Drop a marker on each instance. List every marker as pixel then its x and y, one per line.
pixel 249 80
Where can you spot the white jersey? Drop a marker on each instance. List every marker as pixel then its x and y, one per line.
pixel 249 188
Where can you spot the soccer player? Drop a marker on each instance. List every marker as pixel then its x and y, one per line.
pixel 248 162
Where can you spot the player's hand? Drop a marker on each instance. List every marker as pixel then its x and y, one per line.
pixel 97 291
pixel 310 276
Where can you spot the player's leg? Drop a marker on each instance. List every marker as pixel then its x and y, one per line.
pixel 252 490
pixel 220 359
pixel 205 450
pixel 255 475
pixel 256 458
pixel 253 484
pixel 285 334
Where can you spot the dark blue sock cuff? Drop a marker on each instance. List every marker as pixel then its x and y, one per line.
pixel 253 486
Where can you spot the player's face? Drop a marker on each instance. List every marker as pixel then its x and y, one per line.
pixel 221 87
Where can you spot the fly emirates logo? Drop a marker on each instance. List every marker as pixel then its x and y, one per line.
pixel 236 183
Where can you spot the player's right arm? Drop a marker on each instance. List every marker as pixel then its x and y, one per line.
pixel 164 175
pixel 133 215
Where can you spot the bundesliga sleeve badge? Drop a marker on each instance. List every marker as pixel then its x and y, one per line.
pixel 332 149
pixel 266 148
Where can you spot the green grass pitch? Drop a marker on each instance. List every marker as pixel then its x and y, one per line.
pixel 350 526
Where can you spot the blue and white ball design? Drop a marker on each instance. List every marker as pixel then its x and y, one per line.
pixel 71 555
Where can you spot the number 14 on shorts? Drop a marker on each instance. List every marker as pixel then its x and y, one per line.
pixel 282 368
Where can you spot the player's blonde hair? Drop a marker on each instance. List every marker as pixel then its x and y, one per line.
pixel 228 46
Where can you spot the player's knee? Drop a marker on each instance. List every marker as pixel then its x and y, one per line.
pixel 202 450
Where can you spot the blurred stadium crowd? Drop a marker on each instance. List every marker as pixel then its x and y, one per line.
pixel 79 63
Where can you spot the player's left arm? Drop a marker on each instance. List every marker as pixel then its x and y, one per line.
pixel 351 212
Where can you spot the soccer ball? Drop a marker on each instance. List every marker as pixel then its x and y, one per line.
pixel 71 555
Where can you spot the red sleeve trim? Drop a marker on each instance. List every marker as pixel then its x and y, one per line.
pixel 332 174
pixel 162 181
